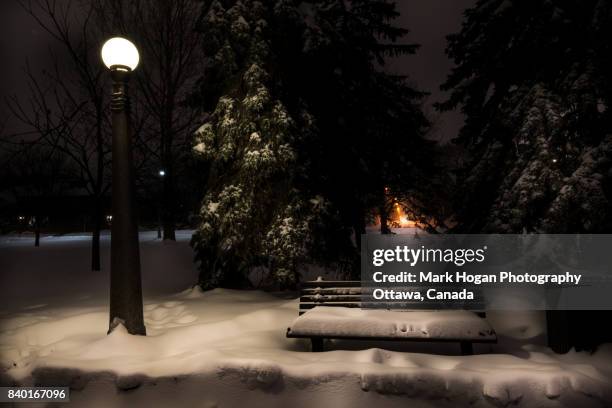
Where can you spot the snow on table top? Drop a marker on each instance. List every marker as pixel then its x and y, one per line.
pixel 353 322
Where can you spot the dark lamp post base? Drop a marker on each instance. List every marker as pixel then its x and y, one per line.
pixel 126 286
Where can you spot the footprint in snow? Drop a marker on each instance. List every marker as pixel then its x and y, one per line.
pixel 167 314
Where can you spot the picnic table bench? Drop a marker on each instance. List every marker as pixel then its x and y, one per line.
pixel 333 310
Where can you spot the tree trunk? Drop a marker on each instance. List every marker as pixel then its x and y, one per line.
pixel 359 229
pixel 169 199
pixel 558 331
pixel 168 207
pixel 159 222
pixel 384 214
pixel 384 222
pixel 36 231
pixel 95 237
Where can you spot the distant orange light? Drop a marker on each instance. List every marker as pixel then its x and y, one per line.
pixel 405 222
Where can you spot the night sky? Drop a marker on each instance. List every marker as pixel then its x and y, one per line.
pixel 21 39
pixel 429 21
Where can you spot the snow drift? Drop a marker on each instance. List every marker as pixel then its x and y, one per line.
pixel 222 348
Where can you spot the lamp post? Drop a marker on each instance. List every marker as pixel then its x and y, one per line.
pixel 121 57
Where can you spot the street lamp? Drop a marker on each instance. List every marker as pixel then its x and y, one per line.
pixel 121 57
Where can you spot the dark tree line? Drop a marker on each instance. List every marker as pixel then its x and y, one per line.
pixel 36 171
pixel 534 81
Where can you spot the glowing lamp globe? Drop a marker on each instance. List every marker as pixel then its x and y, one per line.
pixel 120 53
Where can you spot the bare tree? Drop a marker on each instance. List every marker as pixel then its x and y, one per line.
pixel 70 111
pixel 164 31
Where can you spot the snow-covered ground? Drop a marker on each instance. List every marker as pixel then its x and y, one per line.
pixel 59 272
pixel 228 348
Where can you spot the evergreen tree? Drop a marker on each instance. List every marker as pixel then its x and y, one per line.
pixel 370 122
pixel 306 128
pixel 253 213
pixel 533 80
